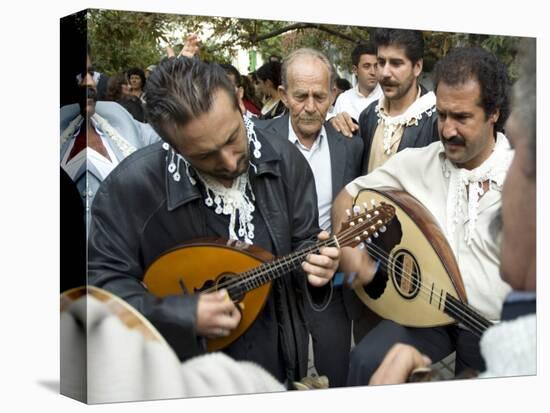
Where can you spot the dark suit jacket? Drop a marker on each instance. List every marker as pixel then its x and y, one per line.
pixel 346 155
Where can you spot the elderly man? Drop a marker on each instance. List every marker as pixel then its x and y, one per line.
pixel 215 175
pixel 307 88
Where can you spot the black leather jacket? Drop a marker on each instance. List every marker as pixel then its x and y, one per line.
pixel 140 212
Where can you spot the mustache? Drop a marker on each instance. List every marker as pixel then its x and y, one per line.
pixel 310 118
pixel 88 92
pixel 91 93
pixel 388 83
pixel 454 140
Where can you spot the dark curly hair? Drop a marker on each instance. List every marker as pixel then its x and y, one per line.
pixel 465 63
pixel 410 40
pixel 139 72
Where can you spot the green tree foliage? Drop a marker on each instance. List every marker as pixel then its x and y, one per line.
pixel 439 43
pixel 121 39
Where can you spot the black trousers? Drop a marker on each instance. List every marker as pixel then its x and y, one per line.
pixel 330 331
pixel 436 342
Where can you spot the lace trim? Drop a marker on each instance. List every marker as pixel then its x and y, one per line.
pixel 423 105
pixel 71 129
pixel 493 170
pixel 125 147
pixel 104 126
pixel 233 201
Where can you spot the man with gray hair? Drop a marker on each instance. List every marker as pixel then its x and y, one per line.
pixel 307 89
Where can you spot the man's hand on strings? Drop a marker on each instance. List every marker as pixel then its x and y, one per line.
pixel 320 268
pixel 358 266
pixel 217 315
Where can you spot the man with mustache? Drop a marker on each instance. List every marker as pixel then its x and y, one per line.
pixel 509 348
pixel 308 85
pixel 96 137
pixel 459 180
pixel 405 116
pixel 215 175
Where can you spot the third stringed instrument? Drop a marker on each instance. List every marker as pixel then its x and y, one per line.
pixel 418 283
pixel 244 270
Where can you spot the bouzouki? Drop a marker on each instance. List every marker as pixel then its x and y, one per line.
pixel 244 270
pixel 418 282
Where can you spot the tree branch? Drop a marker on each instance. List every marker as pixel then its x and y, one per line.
pixel 336 33
pixel 254 38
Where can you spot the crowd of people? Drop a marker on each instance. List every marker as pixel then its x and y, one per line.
pixel 190 149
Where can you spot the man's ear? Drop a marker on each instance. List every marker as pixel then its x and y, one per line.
pixel 332 93
pixel 495 116
pixel 283 95
pixel 240 94
pixel 417 68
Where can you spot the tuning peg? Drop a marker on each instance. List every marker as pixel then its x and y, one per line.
pixel 375 234
pixel 358 239
pixel 369 216
pixel 348 212
pixel 356 209
pixel 369 240
pixel 351 224
pixel 360 219
pixel 383 229
pixel 366 233
pixel 365 206
pixel 376 212
pixel 373 202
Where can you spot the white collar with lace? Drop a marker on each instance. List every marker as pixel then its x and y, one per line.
pixel 104 126
pixel 236 201
pixel 493 170
pixel 424 104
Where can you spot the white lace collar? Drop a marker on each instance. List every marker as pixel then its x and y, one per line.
pixel 424 104
pixel 236 201
pixel 105 127
pixel 493 170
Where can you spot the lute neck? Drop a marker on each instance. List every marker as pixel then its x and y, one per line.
pixel 466 315
pixel 272 270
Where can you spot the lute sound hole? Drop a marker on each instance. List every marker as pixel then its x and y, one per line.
pixel 405 274
pixel 236 288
